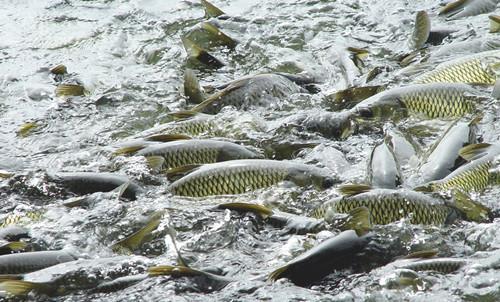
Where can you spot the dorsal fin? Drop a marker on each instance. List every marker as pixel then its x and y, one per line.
pixel 451 6
pixel 200 54
pixel 211 11
pixel 353 189
pixel 470 152
pixel 167 137
pixel 216 32
pixel 359 220
pixel 155 162
pixel 247 207
pixel 183 114
pixel 178 172
pixel 422 254
pixel 494 23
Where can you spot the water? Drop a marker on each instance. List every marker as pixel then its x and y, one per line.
pixel 129 56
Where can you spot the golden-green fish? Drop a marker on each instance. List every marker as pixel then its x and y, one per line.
pixel 441 265
pixel 387 206
pixel 240 176
pixel 480 171
pixel 478 69
pixel 431 100
pixel 196 151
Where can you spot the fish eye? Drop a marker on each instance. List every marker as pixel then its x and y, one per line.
pixel 328 182
pixel 365 112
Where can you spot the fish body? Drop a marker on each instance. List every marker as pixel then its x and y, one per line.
pixel 32 261
pixel 431 100
pixel 383 169
pixel 240 176
pixel 402 145
pixel 251 91
pixel 479 172
pixel 90 182
pixel 13 233
pixel 443 157
pixel 188 152
pixel 479 68
pixel 387 206
pixel 338 252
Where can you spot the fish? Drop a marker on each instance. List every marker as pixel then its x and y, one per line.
pixel 90 182
pixel 22 263
pixel 389 205
pixel 480 171
pixel 421 31
pixel 336 253
pixel 479 69
pixel 383 169
pixel 357 219
pixel 245 175
pixel 196 151
pixel 435 100
pixel 465 48
pixel 120 283
pixel 81 274
pixel 135 240
pixel 443 156
pixel 250 91
pixel 21 218
pixel 207 35
pixel 465 8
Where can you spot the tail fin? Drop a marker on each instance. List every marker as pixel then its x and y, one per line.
pixel 192 89
pixel 211 11
pixel 215 32
pixel 19 287
pixel 133 241
pixel 359 220
pixel 473 210
pixel 70 90
pixel 200 54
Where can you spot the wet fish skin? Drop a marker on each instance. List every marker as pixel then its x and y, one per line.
pixel 202 151
pixel 476 175
pixel 249 92
pixel 90 182
pixel 421 31
pixel 387 206
pixel 32 261
pixel 403 145
pixel 477 69
pixel 120 283
pixel 383 168
pixel 240 176
pixel 338 252
pixel 433 100
pixel 443 156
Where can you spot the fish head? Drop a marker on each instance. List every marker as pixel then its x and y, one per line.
pixel 338 125
pixel 380 107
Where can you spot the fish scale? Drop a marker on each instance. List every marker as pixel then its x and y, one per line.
pixel 240 176
pixel 442 265
pixel 387 206
pixel 439 103
pixel 473 69
pixel 476 179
